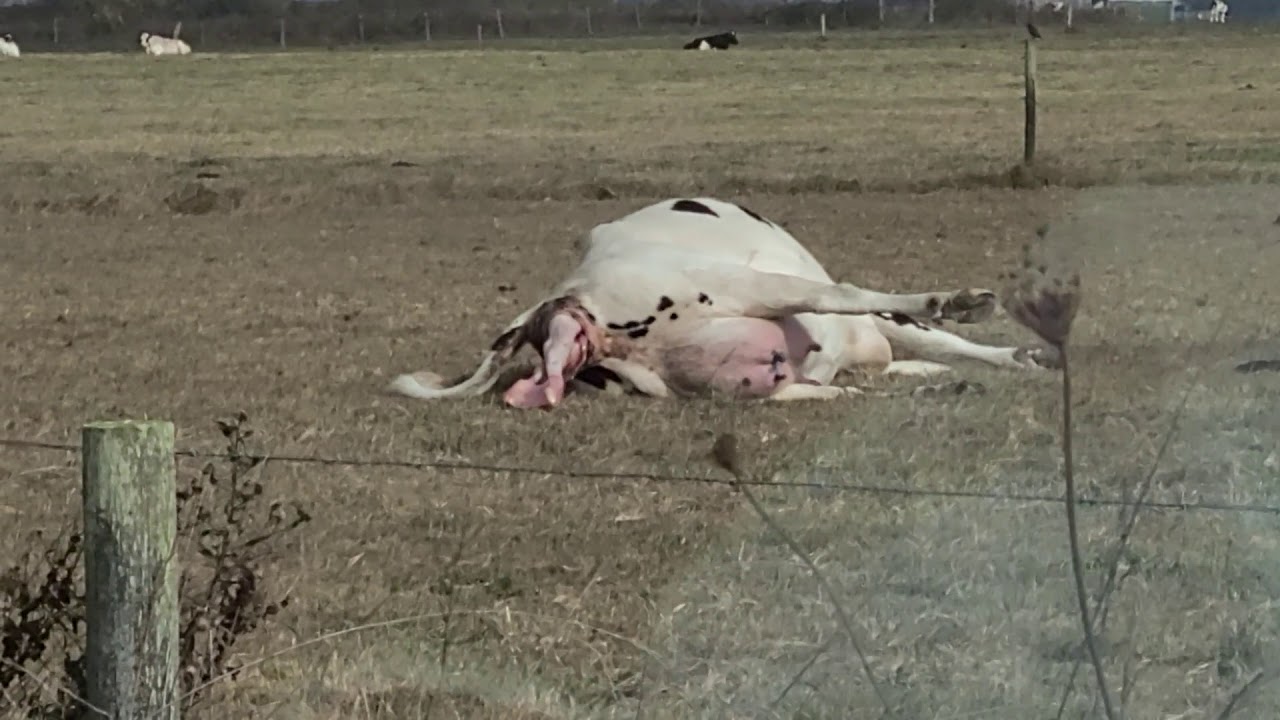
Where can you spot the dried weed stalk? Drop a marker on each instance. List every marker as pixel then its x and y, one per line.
pixel 1044 296
pixel 222 590
pixel 725 453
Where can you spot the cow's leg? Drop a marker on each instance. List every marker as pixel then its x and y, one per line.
pixel 749 293
pixel 916 368
pixel 803 391
pixel 641 378
pixel 940 346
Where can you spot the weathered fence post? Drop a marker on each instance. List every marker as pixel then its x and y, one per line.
pixel 502 31
pixel 931 11
pixel 55 31
pixel 589 32
pixel 479 35
pixel 284 44
pixel 822 25
pixel 131 576
pixel 426 26
pixel 880 8
pixel 637 9
pixel 1029 132
pixel 360 26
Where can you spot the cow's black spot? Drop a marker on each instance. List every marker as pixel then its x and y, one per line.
pixel 746 382
pixel 598 377
pixel 815 347
pixel 778 357
pixel 902 319
pixel 505 340
pixel 650 320
pixel 693 206
pixel 754 214
pixel 624 326
pixel 704 299
pixel 591 317
pixel 779 378
pixel 638 333
pixel 664 302
pixel 675 316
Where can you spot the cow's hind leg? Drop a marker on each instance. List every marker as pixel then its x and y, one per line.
pixel 749 293
pixel 939 346
pixel 804 391
pixel 916 368
pixel 640 377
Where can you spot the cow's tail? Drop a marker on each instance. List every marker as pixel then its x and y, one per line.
pixel 427 385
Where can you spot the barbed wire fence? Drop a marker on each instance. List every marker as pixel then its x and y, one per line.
pixel 450 466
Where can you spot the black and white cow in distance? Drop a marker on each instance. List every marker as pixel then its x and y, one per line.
pixel 689 296
pixel 722 41
pixel 9 46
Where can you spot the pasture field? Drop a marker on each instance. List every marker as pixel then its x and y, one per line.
pixel 364 214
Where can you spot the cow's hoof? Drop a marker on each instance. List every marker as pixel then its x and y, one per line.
pixel 970 306
pixel 1046 358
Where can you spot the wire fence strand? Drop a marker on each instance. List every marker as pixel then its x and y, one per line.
pixel 574 474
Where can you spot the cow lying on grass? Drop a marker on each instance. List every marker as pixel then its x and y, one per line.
pixel 160 45
pixel 689 296
pixel 9 47
pixel 720 41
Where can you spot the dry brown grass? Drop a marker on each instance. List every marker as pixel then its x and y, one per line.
pixel 320 270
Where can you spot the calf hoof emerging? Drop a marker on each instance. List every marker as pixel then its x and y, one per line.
pixel 967 307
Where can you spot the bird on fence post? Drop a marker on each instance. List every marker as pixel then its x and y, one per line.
pixel 1035 33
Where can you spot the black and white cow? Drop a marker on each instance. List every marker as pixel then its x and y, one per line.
pixel 688 296
pixel 721 41
pixel 9 47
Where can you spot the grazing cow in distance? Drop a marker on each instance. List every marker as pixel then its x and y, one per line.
pixel 689 296
pixel 717 42
pixel 9 47
pixel 160 45
pixel 1218 13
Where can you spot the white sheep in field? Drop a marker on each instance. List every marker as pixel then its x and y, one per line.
pixel 9 48
pixel 160 45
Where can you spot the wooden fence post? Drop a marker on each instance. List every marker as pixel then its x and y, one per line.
pixel 426 26
pixel 589 21
pixel 131 575
pixel 931 9
pixel 55 31
pixel 822 25
pixel 479 35
pixel 1029 132
pixel 637 9
pixel 284 44
pixel 360 26
pixel 502 31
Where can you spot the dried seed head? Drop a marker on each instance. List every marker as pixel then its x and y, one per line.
pixel 1044 294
